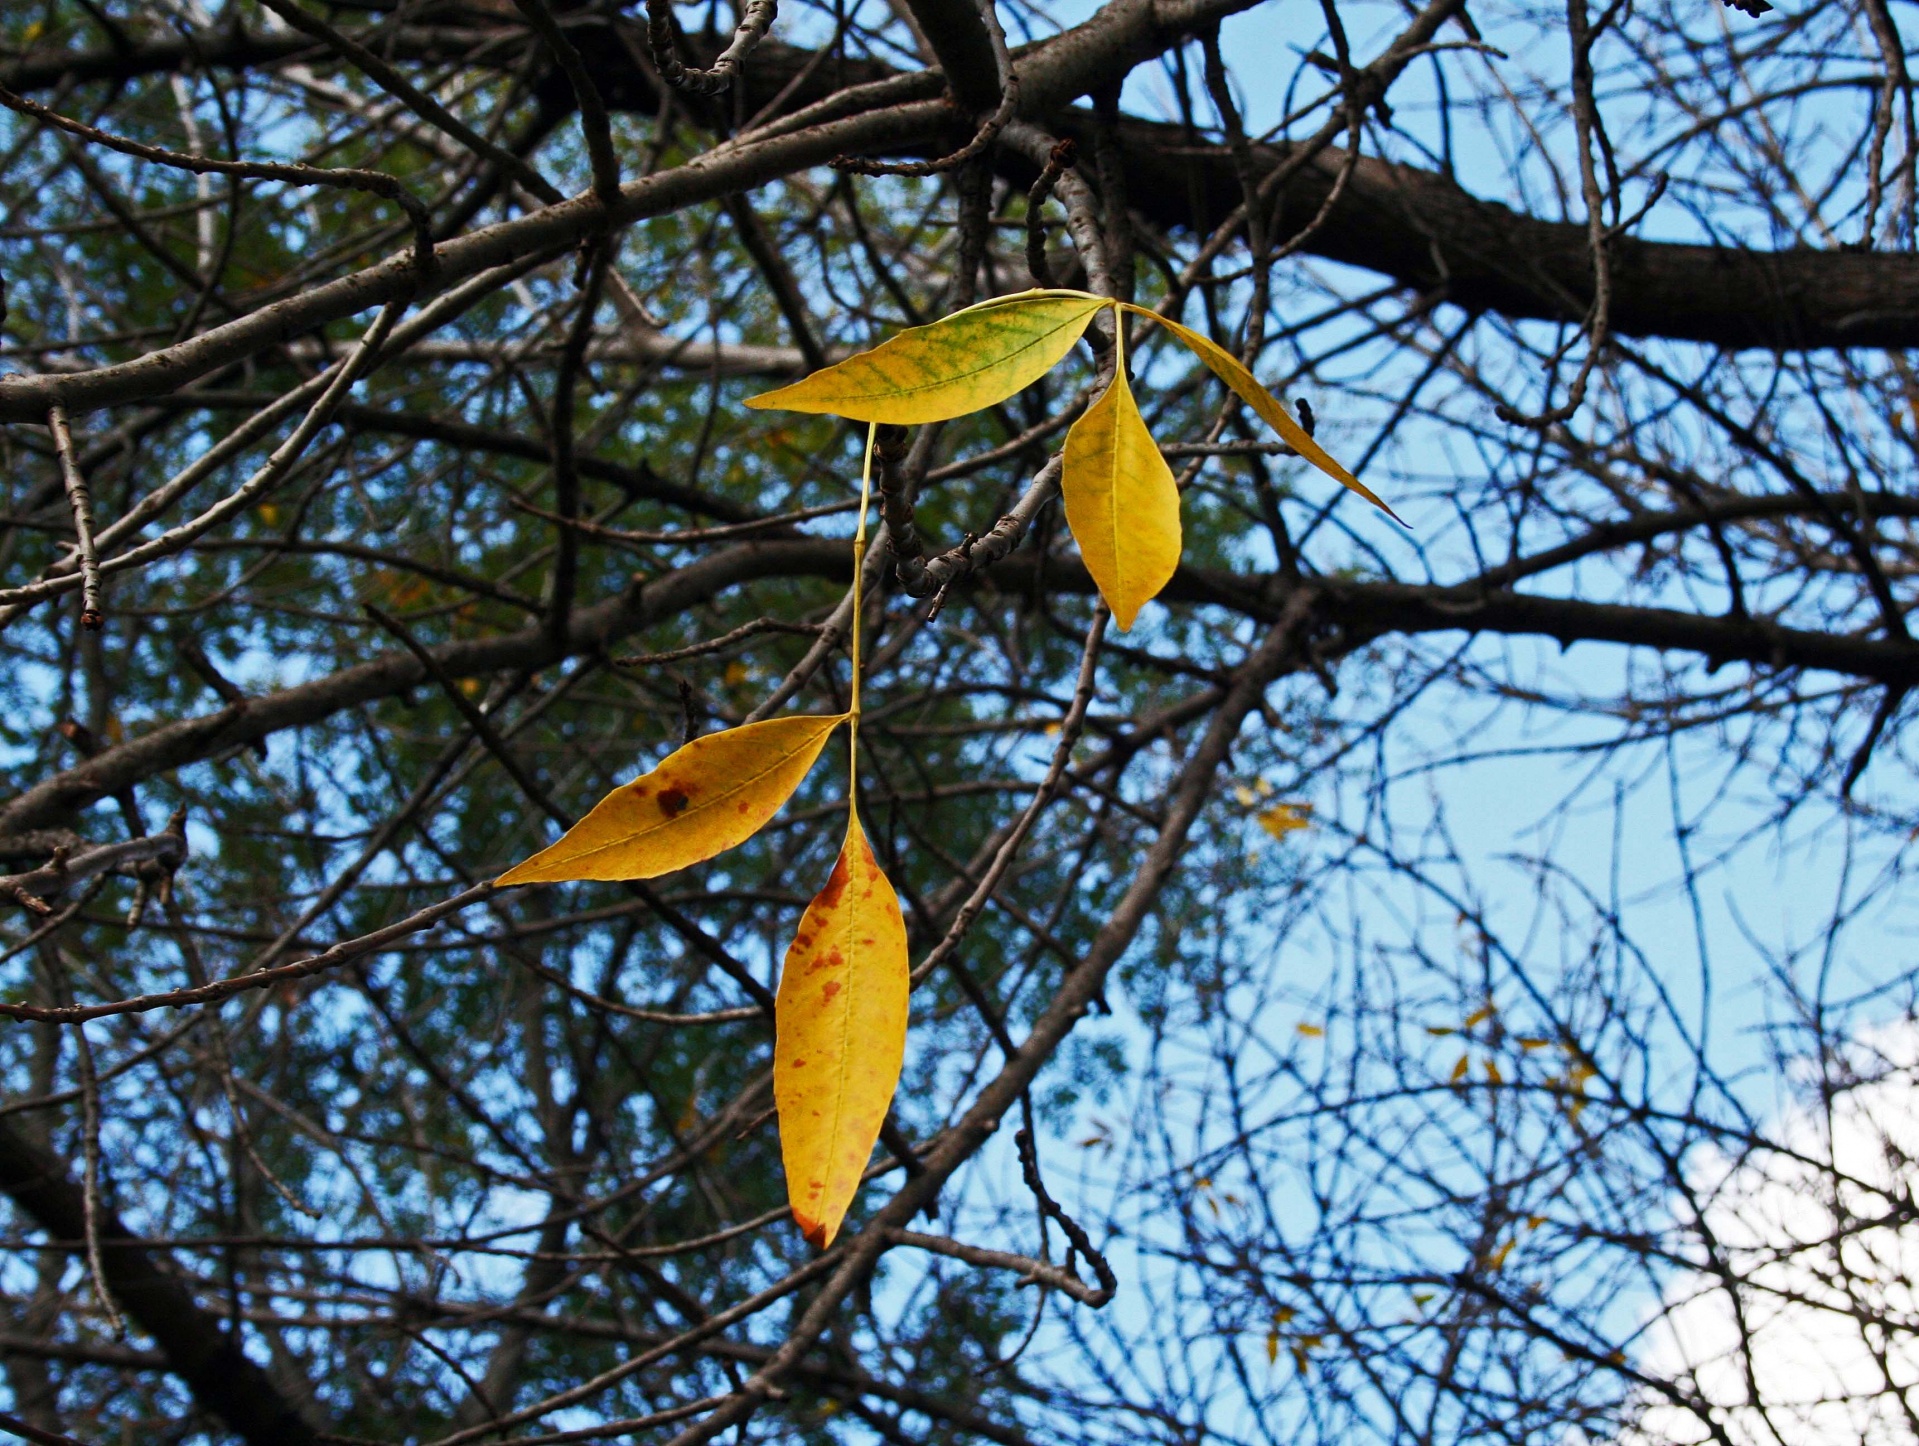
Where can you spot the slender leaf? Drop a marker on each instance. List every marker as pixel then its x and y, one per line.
pixel 1228 369
pixel 840 1035
pixel 957 365
pixel 716 792
pixel 1121 502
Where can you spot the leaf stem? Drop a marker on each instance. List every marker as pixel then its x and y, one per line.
pixel 859 576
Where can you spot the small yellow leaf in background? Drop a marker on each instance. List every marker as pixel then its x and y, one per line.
pixel 1493 1076
pixel 716 792
pixel 839 1036
pixel 1480 1015
pixel 1459 1070
pixel 957 365
pixel 1228 369
pixel 1121 502
pixel 1498 1257
pixel 1284 818
pixel 1311 1031
pixel 737 673
pixel 1530 1043
pixel 1272 1348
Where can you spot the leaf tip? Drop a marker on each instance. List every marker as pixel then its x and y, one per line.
pixel 817 1233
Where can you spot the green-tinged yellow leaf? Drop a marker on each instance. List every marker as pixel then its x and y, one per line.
pixel 1228 369
pixel 1121 502
pixel 839 1036
pixel 953 366
pixel 716 792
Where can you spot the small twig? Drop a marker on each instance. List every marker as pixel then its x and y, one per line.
pixel 595 125
pixel 1049 175
pixel 39 1435
pixel 686 534
pixel 81 501
pixel 721 643
pixel 63 870
pixel 1076 1237
pixel 421 104
pixel 376 183
pixel 664 47
pixel 1588 130
pixel 989 128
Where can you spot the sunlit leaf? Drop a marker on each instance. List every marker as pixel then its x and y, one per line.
pixel 1121 502
pixel 953 366
pixel 716 792
pixel 839 1036
pixel 1284 818
pixel 1228 369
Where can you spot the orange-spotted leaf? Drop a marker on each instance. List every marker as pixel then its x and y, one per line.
pixel 953 366
pixel 1228 369
pixel 840 1036
pixel 1121 502
pixel 716 792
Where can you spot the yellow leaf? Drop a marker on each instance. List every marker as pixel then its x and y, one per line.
pixel 1530 1043
pixel 1284 818
pixel 956 365
pixel 839 1036
pixel 716 792
pixel 1493 1074
pixel 1311 1031
pixel 1272 1348
pixel 1459 1070
pixel 1498 1257
pixel 737 673
pixel 1283 1314
pixel 1228 369
pixel 1121 501
pixel 1440 1031
pixel 1480 1015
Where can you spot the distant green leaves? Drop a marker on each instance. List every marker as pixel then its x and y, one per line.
pixel 1121 500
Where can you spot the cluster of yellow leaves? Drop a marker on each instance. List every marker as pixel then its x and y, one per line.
pixel 841 1011
pixel 1121 500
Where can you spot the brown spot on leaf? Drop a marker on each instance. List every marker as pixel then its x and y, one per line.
pixel 673 802
pixel 833 987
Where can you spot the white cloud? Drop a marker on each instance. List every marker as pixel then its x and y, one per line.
pixel 1816 1342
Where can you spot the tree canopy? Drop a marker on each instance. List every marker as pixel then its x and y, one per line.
pixel 1419 973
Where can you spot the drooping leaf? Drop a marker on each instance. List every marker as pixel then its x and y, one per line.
pixel 840 1035
pixel 1228 369
pixel 1121 502
pixel 957 365
pixel 716 792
